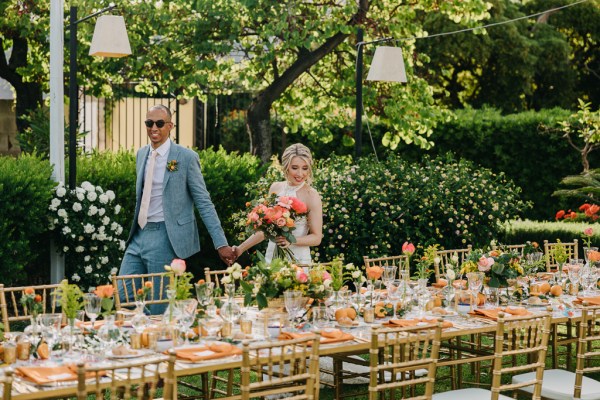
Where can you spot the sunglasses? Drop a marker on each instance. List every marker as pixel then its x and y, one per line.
pixel 159 124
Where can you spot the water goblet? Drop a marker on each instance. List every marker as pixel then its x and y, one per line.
pixel 475 280
pixel 204 294
pixel 449 293
pixel 186 313
pixel 389 274
pixel 92 306
pixel 293 303
pixel 320 317
pixel 50 324
pixel 211 322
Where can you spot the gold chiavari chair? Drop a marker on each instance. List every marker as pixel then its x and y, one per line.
pixel 214 277
pixel 398 356
pixel 14 311
pixel 519 248
pixel 400 261
pixel 520 344
pixel 129 380
pixel 6 384
pixel 561 384
pixel 282 367
pixel 131 283
pixel 571 248
pixel 446 258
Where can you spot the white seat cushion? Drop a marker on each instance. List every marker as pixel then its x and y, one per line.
pixel 468 394
pixel 558 384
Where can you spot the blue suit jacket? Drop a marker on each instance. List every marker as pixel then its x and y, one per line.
pixel 181 190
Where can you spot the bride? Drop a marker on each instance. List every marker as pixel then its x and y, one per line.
pixel 296 163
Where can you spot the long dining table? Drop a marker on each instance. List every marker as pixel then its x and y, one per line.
pixel 463 325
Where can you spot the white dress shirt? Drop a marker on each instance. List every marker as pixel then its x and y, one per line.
pixel 155 210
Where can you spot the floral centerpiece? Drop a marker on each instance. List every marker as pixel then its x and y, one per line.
pixel 427 260
pixel 263 281
pixel 276 216
pixel 86 230
pixel 107 302
pixel 497 265
pixel 32 302
pixel 180 283
pixel 341 273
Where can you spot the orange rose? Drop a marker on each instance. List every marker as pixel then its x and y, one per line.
pixel 201 282
pixel 104 291
pixel 140 292
pixel 148 284
pixel 374 272
pixel 37 298
pixel 494 253
pixel 29 290
pixel 594 256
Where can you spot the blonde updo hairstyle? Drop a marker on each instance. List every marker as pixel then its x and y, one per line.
pixel 301 151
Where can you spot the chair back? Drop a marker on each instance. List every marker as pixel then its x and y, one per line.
pixel 521 345
pixel 588 346
pixel 129 380
pixel 6 384
pixel 395 356
pixel 287 366
pixel 126 286
pixel 400 261
pixel 13 310
pixel 446 258
pixel 572 249
pixel 215 277
pixel 519 248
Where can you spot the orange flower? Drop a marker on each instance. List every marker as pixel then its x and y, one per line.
pixel 494 253
pixel 37 298
pixel 201 282
pixel 104 291
pixel 593 209
pixel 140 292
pixel 29 290
pixel 374 272
pixel 560 214
pixel 148 284
pixel 594 256
pixel 584 207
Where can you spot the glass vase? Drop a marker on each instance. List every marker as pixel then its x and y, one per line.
pixel 230 310
pixel 140 320
pixel 109 333
pixel 169 314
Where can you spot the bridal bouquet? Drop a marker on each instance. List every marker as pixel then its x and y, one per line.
pixel 275 216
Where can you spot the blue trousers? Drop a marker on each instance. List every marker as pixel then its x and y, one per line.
pixel 148 252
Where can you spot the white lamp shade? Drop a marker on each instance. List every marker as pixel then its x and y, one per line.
pixel 387 65
pixel 110 37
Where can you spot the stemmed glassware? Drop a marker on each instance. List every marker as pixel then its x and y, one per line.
pixel 211 322
pixel 293 304
pixel 475 280
pixel 50 324
pixel 92 306
pixel 389 275
pixel 574 268
pixel 204 294
pixel 186 313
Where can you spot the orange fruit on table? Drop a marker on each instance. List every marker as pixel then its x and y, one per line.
pixel 544 287
pixel 556 290
pixel 43 351
pixel 348 312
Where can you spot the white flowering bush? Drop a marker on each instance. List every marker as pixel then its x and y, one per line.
pixel 83 221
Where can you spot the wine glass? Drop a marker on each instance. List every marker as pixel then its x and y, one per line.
pixel 389 274
pixel 293 303
pixel 211 322
pixel 92 306
pixel 475 280
pixel 50 324
pixel 204 294
pixel 186 313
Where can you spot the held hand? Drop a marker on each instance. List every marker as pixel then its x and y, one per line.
pixel 282 242
pixel 227 255
pixel 237 251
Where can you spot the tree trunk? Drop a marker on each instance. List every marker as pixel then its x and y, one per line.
pixel 28 94
pixel 258 121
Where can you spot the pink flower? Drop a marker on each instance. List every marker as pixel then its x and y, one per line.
pixel 273 214
pixel 326 276
pixel 281 222
pixel 485 263
pixel 285 201
pixel 253 216
pixel 408 248
pixel 298 205
pixel 301 276
pixel 178 266
pixel 588 232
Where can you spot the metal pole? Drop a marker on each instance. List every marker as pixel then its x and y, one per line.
pixel 359 108
pixel 57 119
pixel 73 98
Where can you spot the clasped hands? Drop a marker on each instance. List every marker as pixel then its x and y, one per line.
pixel 228 254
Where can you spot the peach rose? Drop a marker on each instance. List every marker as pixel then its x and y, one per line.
pixel 281 222
pixel 374 272
pixel 594 256
pixel 105 291
pixel 408 248
pixel 37 298
pixel 178 266
pixel 29 290
pixel 485 263
pixel 148 284
pixel 301 276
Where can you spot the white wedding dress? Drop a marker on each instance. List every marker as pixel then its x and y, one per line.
pixel 301 253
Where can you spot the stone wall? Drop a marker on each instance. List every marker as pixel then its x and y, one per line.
pixel 8 129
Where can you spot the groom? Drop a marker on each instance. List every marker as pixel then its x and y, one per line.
pixel 169 183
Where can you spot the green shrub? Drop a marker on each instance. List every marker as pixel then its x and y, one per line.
pixel 519 232
pixel 25 191
pixel 370 208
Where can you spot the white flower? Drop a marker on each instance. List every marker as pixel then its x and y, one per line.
pixel 104 260
pixel 79 249
pixel 93 211
pixel 62 213
pixel 101 211
pixel 80 196
pixel 61 191
pixel 92 196
pixel 88 269
pixel 89 228
pixel 77 207
pixel 119 230
pixel 65 249
pixel 117 209
pixel 54 204
pixel 114 226
pixel 105 221
pixel 454 258
pixel 88 186
pixel 75 277
pixel 437 260
pixel 66 230
pixel 103 198
pixel 356 274
pixel 113 271
pixel 122 245
pixel 236 275
pixel 450 274
pixel 86 258
pixel 110 194
pixel 226 279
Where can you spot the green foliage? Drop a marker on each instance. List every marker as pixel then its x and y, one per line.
pixel 25 192
pixel 585 186
pixel 585 124
pixel 36 138
pixel 370 208
pixel 70 297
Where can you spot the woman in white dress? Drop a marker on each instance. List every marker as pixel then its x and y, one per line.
pixel 296 163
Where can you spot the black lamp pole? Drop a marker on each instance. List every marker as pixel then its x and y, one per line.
pixel 74 89
pixel 359 95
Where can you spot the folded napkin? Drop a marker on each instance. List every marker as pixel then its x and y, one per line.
pixel 98 324
pixel 210 351
pixel 380 291
pixel 406 323
pixel 492 313
pixel 594 300
pixel 441 283
pixel 45 375
pixel 327 336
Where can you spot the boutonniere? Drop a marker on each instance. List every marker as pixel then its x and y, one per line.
pixel 172 166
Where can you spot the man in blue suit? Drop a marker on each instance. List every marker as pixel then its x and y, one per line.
pixel 169 184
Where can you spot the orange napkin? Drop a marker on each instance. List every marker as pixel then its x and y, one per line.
pixel 45 375
pixel 405 323
pixel 380 291
pixel 517 311
pixel 327 336
pixel 97 324
pixel 459 284
pixel 492 313
pixel 595 300
pixel 209 351
pixel 442 283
